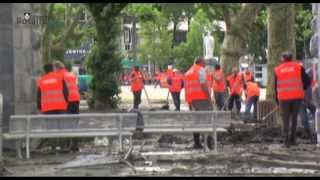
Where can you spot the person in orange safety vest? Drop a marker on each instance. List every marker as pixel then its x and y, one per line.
pixel 137 84
pixel 52 93
pixel 198 95
pixel 176 84
pixel 219 86
pixel 291 81
pixel 235 84
pixel 252 92
pixel 73 89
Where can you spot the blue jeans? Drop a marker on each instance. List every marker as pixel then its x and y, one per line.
pixel 219 98
pixel 304 114
pixel 252 101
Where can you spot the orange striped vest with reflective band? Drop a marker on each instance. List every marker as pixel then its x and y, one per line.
pixel 137 83
pixel 218 85
pixel 235 84
pixel 252 89
pixel 71 81
pixel 289 82
pixel 176 83
pixel 52 98
pixel 193 89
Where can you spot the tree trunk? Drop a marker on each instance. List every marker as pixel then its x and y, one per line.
pixel 238 29
pixel 281 37
pixel 134 39
pixel 174 34
pixel 45 40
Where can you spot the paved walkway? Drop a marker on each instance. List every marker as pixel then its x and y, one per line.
pixel 158 97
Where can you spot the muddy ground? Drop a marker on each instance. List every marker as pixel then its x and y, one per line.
pixel 250 153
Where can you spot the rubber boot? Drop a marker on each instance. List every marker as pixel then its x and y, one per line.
pixel 286 139
pixel 287 142
pixel 293 139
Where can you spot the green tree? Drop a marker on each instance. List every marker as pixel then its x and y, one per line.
pixel 187 51
pixel 177 12
pixel 62 31
pixel 104 59
pixel 155 39
pixel 303 29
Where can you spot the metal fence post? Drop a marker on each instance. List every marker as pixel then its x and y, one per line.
pixel 28 138
pixel 120 132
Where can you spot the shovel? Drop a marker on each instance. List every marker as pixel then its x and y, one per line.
pixel 145 91
pixel 270 113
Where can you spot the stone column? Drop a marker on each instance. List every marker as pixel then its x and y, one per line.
pixel 6 62
pixel 20 59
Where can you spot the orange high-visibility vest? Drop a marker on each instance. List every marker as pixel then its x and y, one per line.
pixel 252 89
pixel 163 80
pixel 289 82
pixel 235 84
pixel 71 81
pixel 52 98
pixel 137 82
pixel 169 72
pixel 193 89
pixel 247 76
pixel 218 85
pixel 176 83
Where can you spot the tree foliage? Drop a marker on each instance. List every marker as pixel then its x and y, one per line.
pixel 303 29
pixel 187 51
pixel 104 59
pixel 62 31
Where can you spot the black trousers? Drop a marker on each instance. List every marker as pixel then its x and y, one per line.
pixel 136 99
pixel 289 113
pixel 198 106
pixel 234 98
pixel 219 98
pixel 176 100
pixel 73 107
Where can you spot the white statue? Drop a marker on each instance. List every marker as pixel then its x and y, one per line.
pixel 208 46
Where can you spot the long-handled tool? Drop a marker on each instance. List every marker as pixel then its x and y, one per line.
pixel 226 102
pixel 145 91
pixel 166 106
pixel 270 113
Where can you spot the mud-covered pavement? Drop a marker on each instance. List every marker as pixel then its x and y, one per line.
pixel 251 153
pixel 248 152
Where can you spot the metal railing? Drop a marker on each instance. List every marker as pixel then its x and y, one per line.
pixel 114 124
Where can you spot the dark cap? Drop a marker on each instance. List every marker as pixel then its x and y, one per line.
pixel 287 55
